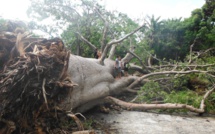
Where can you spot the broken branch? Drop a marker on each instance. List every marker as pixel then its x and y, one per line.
pixel 134 106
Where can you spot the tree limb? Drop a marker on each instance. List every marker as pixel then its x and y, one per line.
pixel 107 47
pixel 112 51
pixel 163 66
pixel 202 105
pixel 137 58
pixel 135 106
pixel 126 36
pixel 142 64
pixel 88 42
pixel 138 68
pixel 200 54
pixel 104 34
pixel 70 8
pixel 128 57
pixel 191 50
pixel 164 72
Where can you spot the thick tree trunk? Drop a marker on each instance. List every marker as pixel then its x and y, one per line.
pixel 95 82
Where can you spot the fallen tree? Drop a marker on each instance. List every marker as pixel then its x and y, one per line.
pixel 40 79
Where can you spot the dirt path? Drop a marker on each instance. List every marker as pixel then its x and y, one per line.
pixel 131 122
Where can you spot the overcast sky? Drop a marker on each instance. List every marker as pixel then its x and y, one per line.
pixel 16 9
pixel 164 8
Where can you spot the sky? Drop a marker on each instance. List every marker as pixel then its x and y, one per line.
pixel 16 9
pixel 164 8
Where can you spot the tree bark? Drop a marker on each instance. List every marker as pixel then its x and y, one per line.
pixel 95 82
pixel 134 106
pixel 112 51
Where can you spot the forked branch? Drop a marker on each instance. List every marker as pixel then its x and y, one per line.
pixel 136 82
pixel 104 34
pixel 107 47
pixel 86 41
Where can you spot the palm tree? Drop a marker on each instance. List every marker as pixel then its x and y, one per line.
pixel 153 26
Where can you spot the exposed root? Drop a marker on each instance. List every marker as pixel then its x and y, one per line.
pixel 78 122
pixel 33 79
pixel 44 93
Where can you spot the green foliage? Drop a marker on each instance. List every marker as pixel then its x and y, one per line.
pixel 171 39
pixel 209 59
pixel 188 89
pixel 180 83
pixel 184 97
pixel 210 103
pixel 88 124
pixel 151 91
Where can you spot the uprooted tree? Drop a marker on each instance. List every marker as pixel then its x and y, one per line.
pixel 39 75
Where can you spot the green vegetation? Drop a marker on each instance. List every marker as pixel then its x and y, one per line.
pixel 188 97
pixel 187 89
pixel 151 92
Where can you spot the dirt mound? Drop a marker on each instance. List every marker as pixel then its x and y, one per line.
pixel 33 80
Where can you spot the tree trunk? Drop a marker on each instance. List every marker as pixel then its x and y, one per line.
pixel 95 82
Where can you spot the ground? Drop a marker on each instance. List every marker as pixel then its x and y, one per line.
pixel 133 122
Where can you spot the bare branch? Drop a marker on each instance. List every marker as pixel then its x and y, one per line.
pixel 138 68
pixel 100 15
pixel 206 51
pixel 138 59
pixel 126 36
pixel 88 42
pixel 191 49
pixel 70 8
pixel 112 51
pixel 135 106
pixel 104 34
pixel 132 91
pixel 149 61
pixel 136 82
pixel 202 105
pixel 107 47
pixel 199 54
pixel 129 56
pixel 190 66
